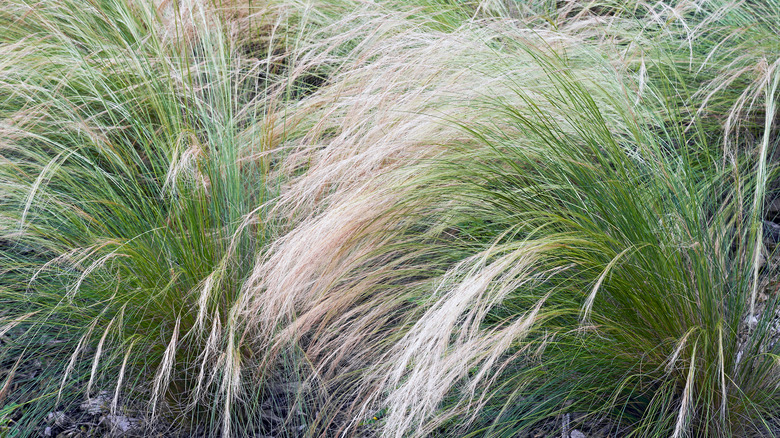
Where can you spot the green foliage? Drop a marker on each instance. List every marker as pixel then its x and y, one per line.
pixel 130 215
pixel 406 218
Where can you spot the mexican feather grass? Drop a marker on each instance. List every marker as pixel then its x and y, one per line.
pixel 428 218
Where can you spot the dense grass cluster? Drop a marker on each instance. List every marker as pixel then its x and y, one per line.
pixel 391 218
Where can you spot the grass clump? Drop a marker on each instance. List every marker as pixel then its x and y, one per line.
pixel 580 248
pixel 604 281
pixel 131 213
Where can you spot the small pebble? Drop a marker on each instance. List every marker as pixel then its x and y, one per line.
pixel 119 422
pixel 58 418
pixel 97 405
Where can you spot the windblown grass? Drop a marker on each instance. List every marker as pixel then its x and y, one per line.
pixel 584 248
pixel 471 219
